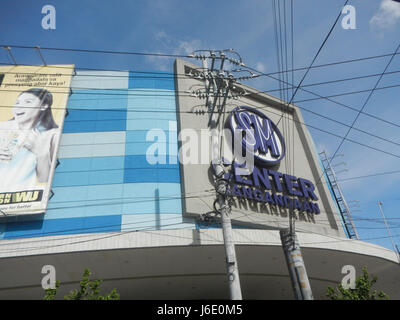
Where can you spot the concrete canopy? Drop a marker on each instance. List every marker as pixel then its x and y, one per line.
pixel 188 264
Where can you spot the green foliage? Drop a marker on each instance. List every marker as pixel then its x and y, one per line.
pixel 362 290
pixel 50 294
pixel 88 290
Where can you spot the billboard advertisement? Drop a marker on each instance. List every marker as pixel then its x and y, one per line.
pixel 33 102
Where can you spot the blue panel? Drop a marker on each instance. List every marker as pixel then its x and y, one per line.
pixel 152 113
pixel 139 161
pixel 2 229
pixel 140 136
pixel 110 125
pixel 147 190
pixel 98 99
pixel 136 135
pixel 157 205
pixel 150 206
pixel 89 171
pixel 71 179
pixel 63 226
pixel 78 126
pixel 95 121
pixel 151 198
pixel 156 80
pixel 96 111
pixel 79 209
pixel 66 195
pixel 147 175
pixel 84 164
pixel 67 179
pixel 106 177
pixel 147 124
pixel 165 84
pixel 140 148
pixel 155 222
pixel 135 149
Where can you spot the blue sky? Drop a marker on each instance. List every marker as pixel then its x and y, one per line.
pixel 179 27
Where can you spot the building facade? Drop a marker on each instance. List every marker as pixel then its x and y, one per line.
pixel 128 197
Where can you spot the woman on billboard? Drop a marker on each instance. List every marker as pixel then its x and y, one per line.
pixel 28 140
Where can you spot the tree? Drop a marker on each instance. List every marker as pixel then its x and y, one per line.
pixel 88 290
pixel 362 290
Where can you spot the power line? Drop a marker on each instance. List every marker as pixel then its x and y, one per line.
pixel 328 132
pixel 369 175
pixel 101 51
pixel 349 93
pixel 151 229
pixel 171 111
pixel 158 91
pixel 172 76
pixel 108 226
pixel 365 103
pixel 123 232
pixel 188 56
pixel 330 100
pixel 317 54
pixel 161 93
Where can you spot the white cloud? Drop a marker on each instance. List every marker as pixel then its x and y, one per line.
pixel 169 44
pixel 260 67
pixel 387 16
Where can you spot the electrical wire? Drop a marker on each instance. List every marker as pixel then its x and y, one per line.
pixel 316 55
pixel 263 74
pixel 108 226
pixel 203 240
pixel 173 76
pixel 365 103
pixel 327 132
pixel 350 93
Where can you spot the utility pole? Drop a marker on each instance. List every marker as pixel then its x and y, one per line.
pixel 294 260
pixel 221 187
pixel 297 269
pixel 218 83
pixel 395 249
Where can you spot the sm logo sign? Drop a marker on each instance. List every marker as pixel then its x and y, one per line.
pixel 260 135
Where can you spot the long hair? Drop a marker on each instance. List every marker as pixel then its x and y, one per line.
pixel 46 98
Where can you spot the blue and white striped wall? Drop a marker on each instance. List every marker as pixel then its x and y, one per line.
pixel 103 182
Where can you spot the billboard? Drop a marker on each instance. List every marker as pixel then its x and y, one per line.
pixel 33 102
pixel 283 178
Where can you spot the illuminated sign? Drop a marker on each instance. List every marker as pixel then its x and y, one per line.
pixel 263 137
pixel 265 141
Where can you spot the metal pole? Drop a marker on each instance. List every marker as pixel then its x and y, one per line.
pixel 11 55
pixel 231 262
pixel 388 230
pixel 297 269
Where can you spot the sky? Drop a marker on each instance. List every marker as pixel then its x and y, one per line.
pixel 180 27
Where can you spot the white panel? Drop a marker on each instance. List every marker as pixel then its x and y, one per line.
pixel 86 79
pixel 92 138
pixel 92 144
